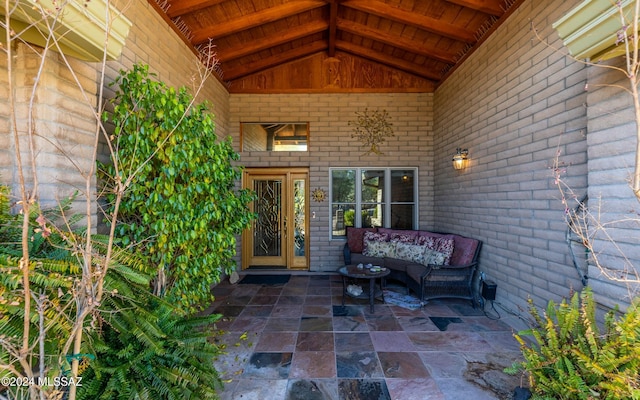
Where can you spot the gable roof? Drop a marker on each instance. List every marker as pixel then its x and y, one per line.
pixel 335 45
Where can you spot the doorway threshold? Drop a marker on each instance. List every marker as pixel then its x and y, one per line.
pixel 267 267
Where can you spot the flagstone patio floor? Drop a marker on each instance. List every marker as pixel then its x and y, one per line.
pixel 296 341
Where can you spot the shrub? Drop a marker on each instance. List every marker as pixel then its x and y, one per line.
pixel 572 359
pixel 182 209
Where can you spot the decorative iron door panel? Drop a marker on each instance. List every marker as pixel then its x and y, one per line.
pixel 267 228
pixel 278 236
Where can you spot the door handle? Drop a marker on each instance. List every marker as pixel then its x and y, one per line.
pixel 285 226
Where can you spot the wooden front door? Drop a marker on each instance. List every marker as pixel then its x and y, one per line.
pixel 278 237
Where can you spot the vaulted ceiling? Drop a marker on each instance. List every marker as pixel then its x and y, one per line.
pixel 334 45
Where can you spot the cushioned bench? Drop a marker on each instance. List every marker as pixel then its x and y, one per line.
pixel 432 264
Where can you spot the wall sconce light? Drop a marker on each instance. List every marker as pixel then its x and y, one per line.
pixel 460 159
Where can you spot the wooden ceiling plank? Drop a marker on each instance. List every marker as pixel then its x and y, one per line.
pixel 275 60
pixel 491 7
pixel 333 18
pixel 255 19
pixel 389 61
pixel 423 22
pixel 271 41
pixel 397 41
pixel 181 7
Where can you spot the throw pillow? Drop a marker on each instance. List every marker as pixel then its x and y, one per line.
pixel 410 252
pixel 374 248
pixel 371 240
pixel 423 239
pixel 395 232
pixel 403 238
pixel 375 236
pixel 433 257
pixel 355 238
pixel 440 244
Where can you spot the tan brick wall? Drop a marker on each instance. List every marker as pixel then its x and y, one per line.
pixel 514 103
pixel 612 143
pixel 63 117
pixel 331 145
pixel 63 126
pixel 6 142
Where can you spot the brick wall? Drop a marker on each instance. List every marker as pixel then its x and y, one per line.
pixel 612 143
pixel 64 119
pixel 62 124
pixel 514 103
pixel 331 145
pixel 6 145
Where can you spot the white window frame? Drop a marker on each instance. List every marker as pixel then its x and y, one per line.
pixel 386 201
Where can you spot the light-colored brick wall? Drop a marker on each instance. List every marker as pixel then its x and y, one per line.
pixel 6 141
pixel 62 123
pixel 331 145
pixel 612 147
pixel 514 104
pixel 64 116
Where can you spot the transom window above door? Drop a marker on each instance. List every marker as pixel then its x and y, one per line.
pixel 373 197
pixel 274 136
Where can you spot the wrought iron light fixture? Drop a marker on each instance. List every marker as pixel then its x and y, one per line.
pixel 460 159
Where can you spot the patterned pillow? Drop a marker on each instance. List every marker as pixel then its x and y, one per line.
pixel 376 236
pixel 433 257
pixel 422 239
pixel 396 232
pixel 370 238
pixel 410 252
pixel 401 237
pixel 375 248
pixel 439 244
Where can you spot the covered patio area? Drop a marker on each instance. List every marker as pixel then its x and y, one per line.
pixel 545 137
pixel 296 341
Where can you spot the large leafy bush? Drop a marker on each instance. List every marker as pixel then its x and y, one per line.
pixel 572 359
pixel 182 208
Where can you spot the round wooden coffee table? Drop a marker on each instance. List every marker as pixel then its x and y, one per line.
pixel 352 272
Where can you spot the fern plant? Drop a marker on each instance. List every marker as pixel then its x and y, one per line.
pixel 146 347
pixel 139 346
pixel 152 352
pixel 572 359
pixel 52 272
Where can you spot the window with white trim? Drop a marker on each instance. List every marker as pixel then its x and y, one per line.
pixel 373 197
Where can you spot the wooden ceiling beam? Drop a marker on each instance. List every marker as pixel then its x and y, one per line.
pixel 272 41
pixel 491 7
pixel 268 62
pixel 396 41
pixel 333 20
pixel 182 7
pixel 387 60
pixel 249 21
pixel 423 22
